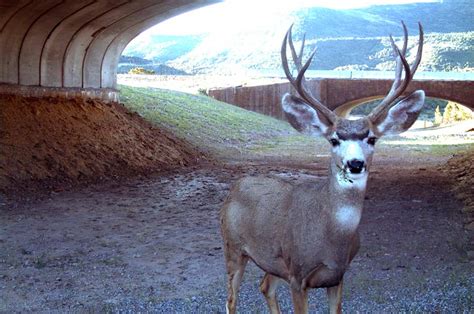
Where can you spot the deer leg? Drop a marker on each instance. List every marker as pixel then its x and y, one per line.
pixel 235 272
pixel 335 299
pixel 268 287
pixel 299 297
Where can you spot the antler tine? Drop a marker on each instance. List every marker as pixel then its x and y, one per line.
pixel 301 49
pixel 399 65
pixel 284 59
pixel 297 58
pixel 419 52
pixel 307 96
pixel 399 85
pixel 298 84
pixel 405 39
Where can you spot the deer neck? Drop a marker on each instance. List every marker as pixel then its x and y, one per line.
pixel 346 197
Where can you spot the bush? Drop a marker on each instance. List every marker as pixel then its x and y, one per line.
pixel 203 91
pixel 139 70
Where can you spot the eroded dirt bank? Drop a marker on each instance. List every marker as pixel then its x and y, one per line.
pixel 53 143
pixel 461 169
pixel 154 245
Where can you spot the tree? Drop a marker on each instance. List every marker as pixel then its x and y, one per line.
pixel 454 112
pixel 438 118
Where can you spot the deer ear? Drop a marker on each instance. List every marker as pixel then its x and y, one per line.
pixel 402 116
pixel 303 117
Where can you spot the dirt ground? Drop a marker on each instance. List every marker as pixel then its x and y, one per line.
pixel 154 244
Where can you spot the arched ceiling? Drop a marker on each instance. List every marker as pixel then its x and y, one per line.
pixel 75 43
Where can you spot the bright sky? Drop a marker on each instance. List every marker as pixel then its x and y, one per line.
pixel 234 11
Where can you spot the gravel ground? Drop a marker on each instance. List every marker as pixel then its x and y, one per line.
pixel 153 245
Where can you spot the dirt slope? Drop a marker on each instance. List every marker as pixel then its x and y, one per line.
pixel 461 168
pixel 51 142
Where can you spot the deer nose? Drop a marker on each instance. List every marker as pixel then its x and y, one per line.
pixel 355 165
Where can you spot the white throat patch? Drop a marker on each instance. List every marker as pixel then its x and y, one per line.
pixel 348 217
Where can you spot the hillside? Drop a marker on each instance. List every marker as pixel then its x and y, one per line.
pixel 344 39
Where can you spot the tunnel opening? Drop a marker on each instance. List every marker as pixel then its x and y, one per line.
pixel 436 113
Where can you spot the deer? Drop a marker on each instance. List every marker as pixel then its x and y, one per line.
pixel 306 233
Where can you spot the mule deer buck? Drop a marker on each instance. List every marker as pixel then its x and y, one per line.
pixel 307 233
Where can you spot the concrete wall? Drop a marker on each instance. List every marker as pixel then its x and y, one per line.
pixel 339 94
pixel 105 94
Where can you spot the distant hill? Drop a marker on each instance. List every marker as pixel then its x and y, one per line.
pixel 162 48
pixel 344 39
pixel 126 63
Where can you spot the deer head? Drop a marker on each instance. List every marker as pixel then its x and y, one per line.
pixel 353 141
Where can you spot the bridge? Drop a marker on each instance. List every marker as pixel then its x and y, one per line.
pixel 72 47
pixel 340 94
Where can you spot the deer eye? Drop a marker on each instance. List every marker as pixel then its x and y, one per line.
pixel 371 140
pixel 334 142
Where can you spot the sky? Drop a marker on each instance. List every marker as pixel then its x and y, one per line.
pixel 237 12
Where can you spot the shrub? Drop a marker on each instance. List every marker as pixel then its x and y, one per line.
pixel 203 91
pixel 139 70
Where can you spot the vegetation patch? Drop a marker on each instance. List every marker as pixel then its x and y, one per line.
pixel 221 129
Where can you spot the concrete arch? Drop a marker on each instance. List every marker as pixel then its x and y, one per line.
pixel 339 92
pixel 14 33
pixel 52 59
pixel 119 43
pixel 96 50
pixel 345 109
pixel 30 64
pixel 78 46
pixel 74 43
pixel 8 9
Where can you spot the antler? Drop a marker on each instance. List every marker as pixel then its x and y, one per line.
pixel 399 85
pixel 299 82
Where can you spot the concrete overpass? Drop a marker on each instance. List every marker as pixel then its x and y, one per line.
pixel 72 47
pixel 340 95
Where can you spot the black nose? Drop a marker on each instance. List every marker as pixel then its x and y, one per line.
pixel 355 165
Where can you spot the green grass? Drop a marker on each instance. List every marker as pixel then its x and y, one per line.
pixel 232 133
pixel 216 127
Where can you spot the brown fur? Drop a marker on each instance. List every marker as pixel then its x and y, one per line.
pixel 288 230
